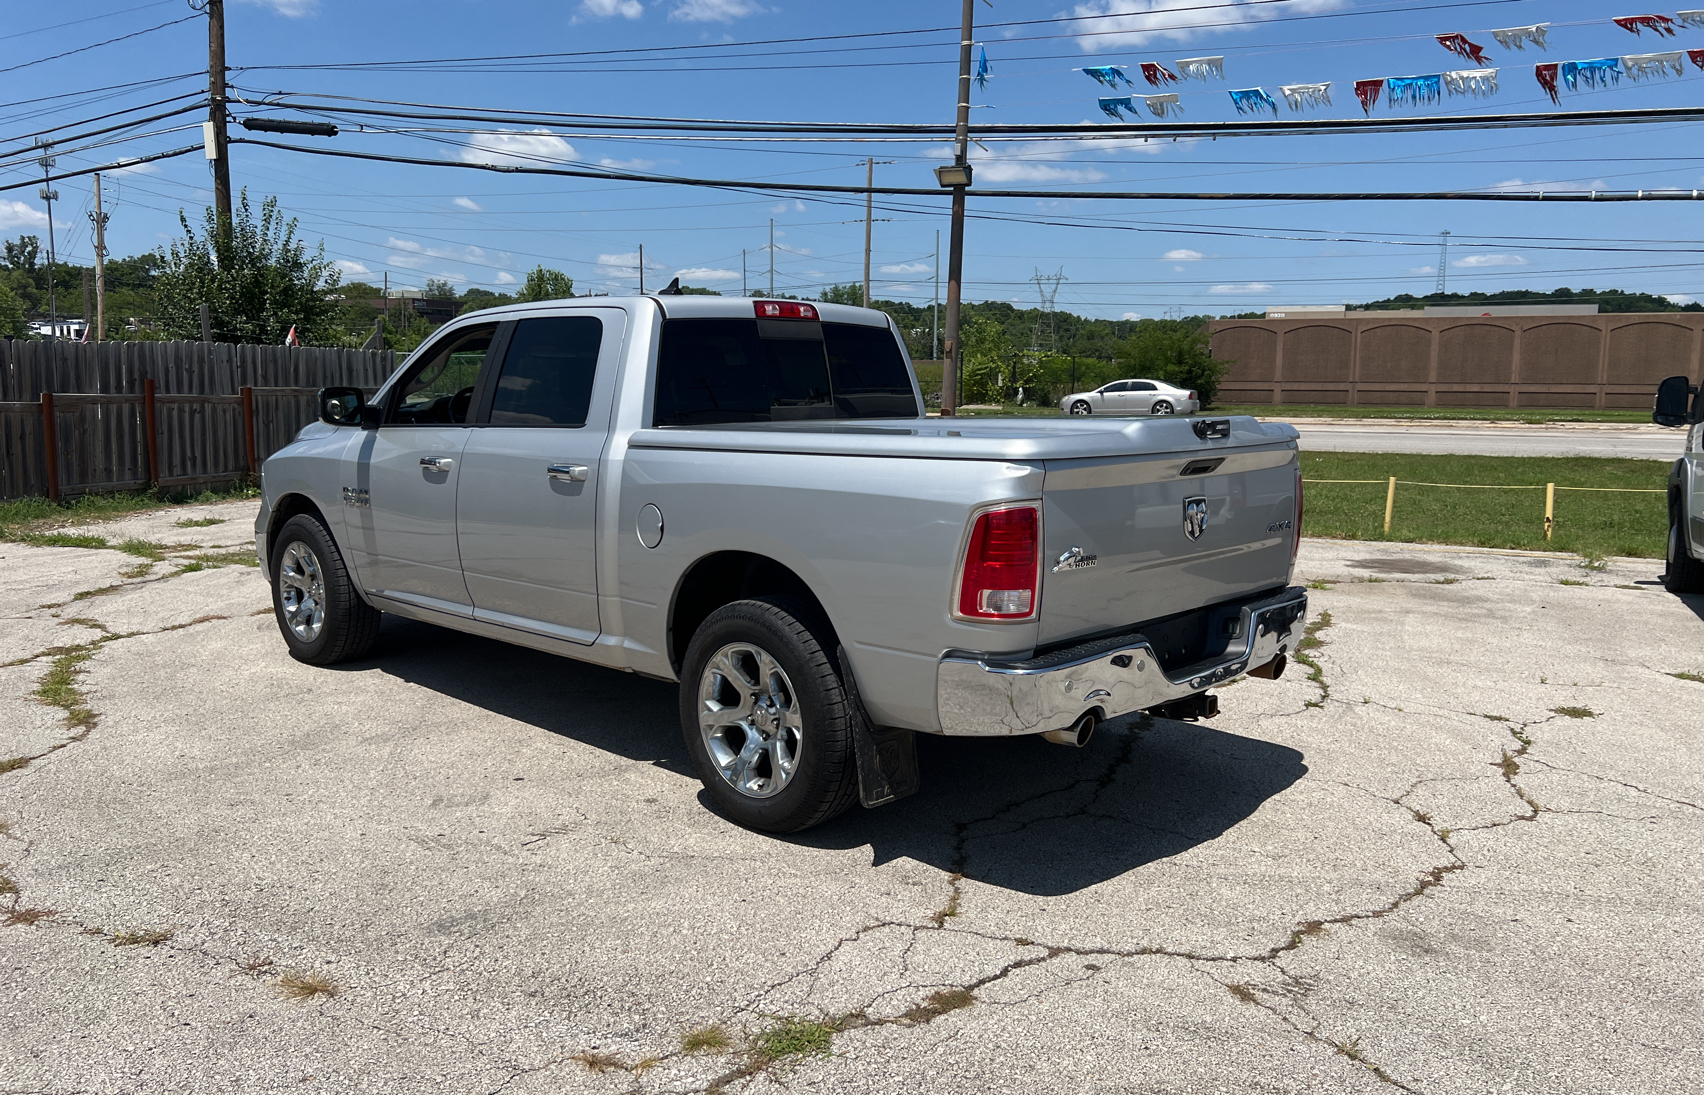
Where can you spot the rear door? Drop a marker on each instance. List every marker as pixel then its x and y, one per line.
pixel 1141 397
pixel 527 500
pixel 400 481
pixel 1141 518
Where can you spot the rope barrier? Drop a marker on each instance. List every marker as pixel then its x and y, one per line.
pixel 1549 490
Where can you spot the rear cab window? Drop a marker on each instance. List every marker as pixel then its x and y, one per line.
pixel 720 370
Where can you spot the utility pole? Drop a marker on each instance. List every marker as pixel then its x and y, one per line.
pixel 771 256
pixel 744 292
pixel 49 195
pixel 99 219
pixel 641 269
pixel 935 337
pixel 958 178
pixel 218 149
pixel 869 221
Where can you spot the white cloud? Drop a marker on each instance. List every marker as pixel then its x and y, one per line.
pixel 469 203
pixel 1471 261
pixel 505 146
pixel 713 11
pixel 1245 287
pixel 1182 254
pixel 609 9
pixel 1680 298
pixel 412 255
pixel 629 165
pixel 908 268
pixel 352 269
pixel 1144 23
pixel 706 273
pixel 16 214
pixel 1131 315
pixel 505 278
pixel 625 266
pixel 290 9
pixel 785 207
pixel 132 169
pixel 1422 269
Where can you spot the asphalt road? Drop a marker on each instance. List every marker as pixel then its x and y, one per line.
pixel 1634 442
pixel 1466 857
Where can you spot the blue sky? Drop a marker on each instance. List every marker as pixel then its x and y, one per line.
pixel 1119 258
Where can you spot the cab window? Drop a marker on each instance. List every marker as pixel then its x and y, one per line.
pixel 439 389
pixel 547 373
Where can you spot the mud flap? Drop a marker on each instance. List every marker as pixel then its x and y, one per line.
pixel 887 757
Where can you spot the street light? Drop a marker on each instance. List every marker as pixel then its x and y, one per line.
pixel 957 174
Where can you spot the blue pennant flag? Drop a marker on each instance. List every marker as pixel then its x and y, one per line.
pixel 1109 75
pixel 1112 106
pixel 1414 90
pixel 1253 100
pixel 983 68
pixel 1599 73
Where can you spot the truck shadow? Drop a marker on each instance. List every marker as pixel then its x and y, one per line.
pixel 1019 813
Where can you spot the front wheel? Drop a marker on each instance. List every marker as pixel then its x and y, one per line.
pixel 1162 407
pixel 766 717
pixel 1684 573
pixel 323 619
pixel 1081 407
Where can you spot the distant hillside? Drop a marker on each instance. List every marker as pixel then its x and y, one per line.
pixel 1607 300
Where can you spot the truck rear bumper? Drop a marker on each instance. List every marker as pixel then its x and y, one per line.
pixel 983 697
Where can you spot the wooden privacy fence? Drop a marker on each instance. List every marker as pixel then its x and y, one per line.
pixel 125 416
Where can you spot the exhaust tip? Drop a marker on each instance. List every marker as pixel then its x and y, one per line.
pixel 1077 734
pixel 1272 670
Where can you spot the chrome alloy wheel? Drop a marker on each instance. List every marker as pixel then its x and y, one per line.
pixel 301 590
pixel 1081 407
pixel 749 716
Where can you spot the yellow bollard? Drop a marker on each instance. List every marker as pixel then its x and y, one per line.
pixel 1390 502
pixel 1549 509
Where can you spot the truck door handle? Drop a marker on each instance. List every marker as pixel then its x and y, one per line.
pixel 437 463
pixel 568 473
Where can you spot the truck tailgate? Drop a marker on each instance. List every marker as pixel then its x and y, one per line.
pixel 1117 534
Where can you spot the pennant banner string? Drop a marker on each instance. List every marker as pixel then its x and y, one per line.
pixel 1253 100
pixel 1200 68
pixel 1163 106
pixel 1298 96
pixel 1661 24
pixel 1518 37
pixel 1109 75
pixel 1461 47
pixel 1481 83
pixel 1157 75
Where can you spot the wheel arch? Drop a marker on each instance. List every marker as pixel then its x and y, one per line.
pixel 721 578
pixel 292 504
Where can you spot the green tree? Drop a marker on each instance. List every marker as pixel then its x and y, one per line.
pixel 1176 351
pixel 993 371
pixel 851 293
pixel 258 281
pixel 695 291
pixel 12 324
pixel 546 284
pixel 439 289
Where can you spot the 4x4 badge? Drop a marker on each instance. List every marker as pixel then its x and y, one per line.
pixel 1194 517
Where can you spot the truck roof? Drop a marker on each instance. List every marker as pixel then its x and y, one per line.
pixel 693 306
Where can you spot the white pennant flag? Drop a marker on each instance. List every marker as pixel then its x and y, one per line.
pixel 1481 83
pixel 1163 106
pixel 1518 37
pixel 1200 68
pixel 1297 96
pixel 1640 66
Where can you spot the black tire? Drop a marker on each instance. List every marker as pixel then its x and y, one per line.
pixel 825 780
pixel 1684 573
pixel 1161 406
pixel 1082 406
pixel 348 626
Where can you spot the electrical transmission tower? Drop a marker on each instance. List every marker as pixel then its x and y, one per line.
pixel 1046 330
pixel 1443 259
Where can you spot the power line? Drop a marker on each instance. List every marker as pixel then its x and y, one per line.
pixel 97 45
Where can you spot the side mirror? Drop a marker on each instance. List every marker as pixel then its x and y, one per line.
pixel 340 406
pixel 1671 405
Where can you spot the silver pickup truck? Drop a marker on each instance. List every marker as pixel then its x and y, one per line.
pixel 746 497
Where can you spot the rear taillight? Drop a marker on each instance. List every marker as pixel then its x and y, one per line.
pixel 1001 577
pixel 1192 397
pixel 783 309
pixel 1296 544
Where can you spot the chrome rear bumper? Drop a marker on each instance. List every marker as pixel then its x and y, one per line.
pixel 984 697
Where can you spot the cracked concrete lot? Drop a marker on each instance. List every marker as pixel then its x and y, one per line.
pixel 1456 850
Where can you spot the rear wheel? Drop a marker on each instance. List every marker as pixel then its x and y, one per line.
pixel 1161 407
pixel 1081 407
pixel 323 619
pixel 1685 574
pixel 766 717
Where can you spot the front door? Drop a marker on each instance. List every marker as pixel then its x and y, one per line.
pixel 1140 399
pixel 401 480
pixel 527 500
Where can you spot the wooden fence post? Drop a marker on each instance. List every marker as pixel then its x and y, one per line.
pixel 151 430
pixel 1390 503
pixel 248 429
pixel 50 441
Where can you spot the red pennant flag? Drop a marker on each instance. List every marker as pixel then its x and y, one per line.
pixel 1547 80
pixel 1461 47
pixel 1696 56
pixel 291 339
pixel 1661 24
pixel 1157 75
pixel 1368 91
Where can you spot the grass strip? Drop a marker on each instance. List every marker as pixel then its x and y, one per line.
pixel 1590 523
pixel 39 521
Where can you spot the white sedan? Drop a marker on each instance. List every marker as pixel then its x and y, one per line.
pixel 1132 397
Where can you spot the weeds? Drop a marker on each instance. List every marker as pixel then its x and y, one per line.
pixel 1572 582
pixel 1245 993
pixel 28 917
pixel 710 1039
pixel 58 687
pixel 1510 766
pixel 305 985
pixel 951 908
pixel 1575 712
pixel 148 937
pixel 12 764
pixel 140 570
pixel 254 965
pixel 8 888
pixel 151 550
pixel 1310 642
pixel 27 519
pixel 792 1036
pixel 939 1003
pixel 600 1062
pixel 63 539
pixel 1696 678
pixel 198 522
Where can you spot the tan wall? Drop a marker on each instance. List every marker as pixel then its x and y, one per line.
pixel 1406 359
